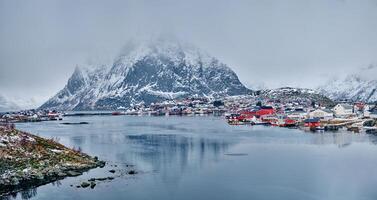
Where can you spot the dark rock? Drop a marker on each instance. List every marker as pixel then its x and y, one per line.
pixel 132 172
pixel 85 184
pixel 101 164
pixel 112 171
pixel 110 178
pixel 73 173
pixel 92 185
pixel 14 181
pixel 92 179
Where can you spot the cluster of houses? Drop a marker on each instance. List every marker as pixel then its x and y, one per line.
pixel 353 116
pixel 343 110
pixel 188 106
pixel 256 110
pixel 29 116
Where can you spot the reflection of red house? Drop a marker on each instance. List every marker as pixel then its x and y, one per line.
pixel 314 122
pixel 289 122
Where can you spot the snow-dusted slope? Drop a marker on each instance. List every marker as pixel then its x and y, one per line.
pixel 361 86
pixel 147 72
pixel 289 94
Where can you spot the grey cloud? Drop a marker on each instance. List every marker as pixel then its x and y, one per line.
pixel 272 43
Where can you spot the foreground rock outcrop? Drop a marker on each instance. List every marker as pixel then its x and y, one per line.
pixel 27 161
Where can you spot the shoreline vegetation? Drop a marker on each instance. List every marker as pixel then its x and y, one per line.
pixel 28 161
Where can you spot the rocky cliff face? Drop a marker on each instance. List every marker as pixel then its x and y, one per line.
pixel 147 72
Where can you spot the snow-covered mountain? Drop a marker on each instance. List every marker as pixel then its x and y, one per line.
pixel 360 86
pixel 147 72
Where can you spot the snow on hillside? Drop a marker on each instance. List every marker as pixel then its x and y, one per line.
pixel 360 86
pixel 147 72
pixel 290 94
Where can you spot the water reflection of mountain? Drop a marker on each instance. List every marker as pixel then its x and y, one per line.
pixel 171 155
pixel 341 139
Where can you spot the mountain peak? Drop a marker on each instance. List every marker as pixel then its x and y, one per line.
pixel 148 71
pixel 170 50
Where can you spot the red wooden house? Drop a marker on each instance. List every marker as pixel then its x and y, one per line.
pixel 265 110
pixel 312 123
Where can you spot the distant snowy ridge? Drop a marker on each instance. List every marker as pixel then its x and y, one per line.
pixel 289 90
pixel 290 94
pixel 361 86
pixel 147 72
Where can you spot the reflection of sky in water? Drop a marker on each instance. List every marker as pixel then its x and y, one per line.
pixel 204 158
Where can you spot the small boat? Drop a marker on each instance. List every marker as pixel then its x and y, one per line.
pixel 320 128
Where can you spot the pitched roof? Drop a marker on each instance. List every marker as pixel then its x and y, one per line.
pixel 346 106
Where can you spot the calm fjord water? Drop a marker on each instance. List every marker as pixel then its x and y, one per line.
pixel 205 158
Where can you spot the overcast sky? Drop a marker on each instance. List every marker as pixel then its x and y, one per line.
pixel 272 43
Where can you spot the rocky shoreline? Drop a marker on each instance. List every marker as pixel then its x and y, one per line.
pixel 28 161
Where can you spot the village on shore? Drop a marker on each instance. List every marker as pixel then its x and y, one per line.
pixel 27 167
pixel 243 110
pixel 292 111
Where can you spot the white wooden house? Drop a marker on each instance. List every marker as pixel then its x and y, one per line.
pixel 343 110
pixel 322 114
